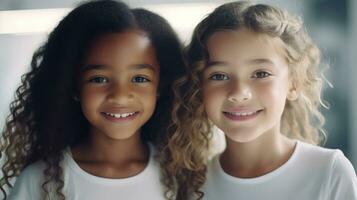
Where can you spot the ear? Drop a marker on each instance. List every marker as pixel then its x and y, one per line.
pixel 292 95
pixel 293 92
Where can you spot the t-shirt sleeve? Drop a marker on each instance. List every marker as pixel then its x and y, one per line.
pixel 28 184
pixel 343 180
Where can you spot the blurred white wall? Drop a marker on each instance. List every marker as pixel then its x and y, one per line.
pixel 15 57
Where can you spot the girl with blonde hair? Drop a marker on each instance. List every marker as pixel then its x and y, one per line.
pixel 255 75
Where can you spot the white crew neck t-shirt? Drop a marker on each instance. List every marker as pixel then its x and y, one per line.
pixel 311 173
pixel 80 185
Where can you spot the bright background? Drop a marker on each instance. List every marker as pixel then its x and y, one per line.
pixel 25 24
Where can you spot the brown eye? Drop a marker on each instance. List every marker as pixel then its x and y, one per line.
pixel 140 79
pixel 99 79
pixel 219 77
pixel 261 74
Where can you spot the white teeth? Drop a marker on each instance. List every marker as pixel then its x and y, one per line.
pixel 242 113
pixel 120 115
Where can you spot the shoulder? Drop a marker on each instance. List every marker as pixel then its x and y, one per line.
pixel 214 169
pixel 340 177
pixel 316 155
pixel 154 165
pixel 28 184
pixel 341 165
pixel 342 182
pixel 332 160
pixel 153 153
pixel 32 172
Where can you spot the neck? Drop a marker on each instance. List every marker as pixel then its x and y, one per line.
pixel 258 157
pixel 100 148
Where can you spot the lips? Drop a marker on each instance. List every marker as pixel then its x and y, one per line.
pixel 120 115
pixel 241 115
pixel 123 116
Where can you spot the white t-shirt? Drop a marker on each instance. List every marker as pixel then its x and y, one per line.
pixel 311 173
pixel 80 185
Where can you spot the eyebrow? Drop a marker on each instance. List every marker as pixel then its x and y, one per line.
pixel 261 61
pixel 143 66
pixel 253 61
pixel 215 63
pixel 93 67
pixel 132 67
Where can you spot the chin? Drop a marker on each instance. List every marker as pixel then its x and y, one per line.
pixel 240 137
pixel 121 136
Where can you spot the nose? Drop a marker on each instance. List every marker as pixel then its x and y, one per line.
pixel 239 92
pixel 120 93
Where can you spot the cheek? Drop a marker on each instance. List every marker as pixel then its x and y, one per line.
pixel 91 95
pixel 213 98
pixel 147 96
pixel 146 90
pixel 266 91
pixel 274 94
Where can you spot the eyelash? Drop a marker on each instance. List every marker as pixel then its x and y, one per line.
pixel 222 77
pixel 215 77
pixel 99 80
pixel 263 73
pixel 142 78
pixel 102 80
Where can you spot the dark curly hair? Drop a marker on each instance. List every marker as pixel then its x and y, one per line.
pixel 44 117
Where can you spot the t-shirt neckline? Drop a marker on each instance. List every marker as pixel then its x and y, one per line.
pixel 72 164
pixel 261 178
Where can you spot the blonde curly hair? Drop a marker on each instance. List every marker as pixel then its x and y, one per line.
pixel 301 118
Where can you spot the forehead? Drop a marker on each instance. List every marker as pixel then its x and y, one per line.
pixel 125 48
pixel 134 38
pixel 244 44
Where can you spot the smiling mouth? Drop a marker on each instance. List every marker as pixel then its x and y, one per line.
pixel 120 115
pixel 241 116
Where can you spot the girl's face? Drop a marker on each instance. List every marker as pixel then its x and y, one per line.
pixel 119 82
pixel 245 83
